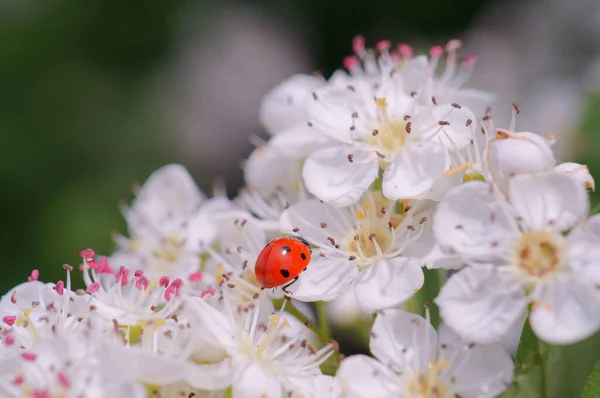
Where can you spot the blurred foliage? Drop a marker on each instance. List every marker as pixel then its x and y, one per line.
pixel 75 128
pixel 592 386
pixel 590 134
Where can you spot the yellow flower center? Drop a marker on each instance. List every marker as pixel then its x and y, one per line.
pixel 374 230
pixel 388 135
pixel 167 253
pixel 428 384
pixel 261 350
pixel 473 176
pixel 538 254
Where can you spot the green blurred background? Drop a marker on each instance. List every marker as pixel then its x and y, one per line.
pixel 97 94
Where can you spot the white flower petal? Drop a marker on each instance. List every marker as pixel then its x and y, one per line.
pixel 480 371
pixel 391 88
pixel 165 201
pixel 345 310
pixel 470 222
pixel 579 172
pixel 343 113
pixel 549 200
pixel 266 169
pixel 430 253
pixel 129 259
pixel 566 312
pixel 216 324
pixel 324 279
pixel 9 364
pixel 479 305
pixel 203 228
pixel 416 76
pixel 583 250
pixel 26 293
pixel 458 133
pixel 285 105
pixel 414 171
pixel 363 377
pixel 331 176
pixel 298 142
pixel 510 341
pixel 147 367
pixel 403 339
pixel 519 153
pixel 445 183
pixel 475 100
pixel 318 386
pixel 240 229
pixel 316 221
pixel 388 283
pixel 254 382
pixel 212 377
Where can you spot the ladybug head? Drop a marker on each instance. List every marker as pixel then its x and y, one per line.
pixel 301 239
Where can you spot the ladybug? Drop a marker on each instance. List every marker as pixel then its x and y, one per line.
pixel 281 261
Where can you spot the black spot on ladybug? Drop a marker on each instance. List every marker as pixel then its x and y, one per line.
pixel 303 256
pixel 284 272
pixel 286 249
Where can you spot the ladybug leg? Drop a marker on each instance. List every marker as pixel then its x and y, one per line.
pixel 288 285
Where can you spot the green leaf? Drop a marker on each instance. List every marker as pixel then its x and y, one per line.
pixel 547 371
pixel 434 279
pixel 331 365
pixel 528 345
pixel 592 386
pixel 528 370
pixel 595 209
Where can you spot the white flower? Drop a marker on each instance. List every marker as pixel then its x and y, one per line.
pixel 260 360
pixel 578 171
pixel 358 245
pixel 517 253
pixel 33 310
pixel 130 298
pixel 319 386
pixel 414 362
pixel 284 107
pixel 420 72
pixel 272 172
pixel 283 113
pixel 273 182
pixel 382 126
pixel 83 366
pixel 168 223
pixel 232 259
pixel 516 153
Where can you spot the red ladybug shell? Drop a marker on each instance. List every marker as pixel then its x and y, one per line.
pixel 281 261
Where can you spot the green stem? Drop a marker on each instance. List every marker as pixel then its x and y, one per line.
pixel 321 330
pixel 434 279
pixel 543 356
pixel 595 209
pixel 324 332
pixel 289 307
pixel 296 313
pixel 412 305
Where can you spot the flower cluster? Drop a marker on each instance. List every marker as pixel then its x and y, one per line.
pixel 388 167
